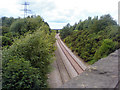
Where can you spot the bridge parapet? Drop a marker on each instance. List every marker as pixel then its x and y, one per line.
pixel 102 74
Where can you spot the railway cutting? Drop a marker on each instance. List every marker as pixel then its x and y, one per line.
pixel 65 67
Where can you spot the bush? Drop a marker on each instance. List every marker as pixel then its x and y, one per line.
pixel 19 74
pixel 22 26
pixel 33 47
pixel 92 39
pixel 18 27
pixel 106 48
pixel 32 52
pixel 6 41
pixel 26 62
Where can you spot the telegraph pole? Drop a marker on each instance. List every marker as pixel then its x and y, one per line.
pixel 25 9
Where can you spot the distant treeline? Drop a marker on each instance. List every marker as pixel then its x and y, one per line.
pixel 92 38
pixel 27 51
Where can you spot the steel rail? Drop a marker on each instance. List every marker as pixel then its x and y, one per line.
pixel 73 62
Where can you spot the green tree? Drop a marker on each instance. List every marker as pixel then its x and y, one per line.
pixel 66 31
pixel 92 37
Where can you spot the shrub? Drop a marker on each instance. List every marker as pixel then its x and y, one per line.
pixel 18 27
pixel 32 52
pixel 92 39
pixel 19 74
pixel 22 26
pixel 6 41
pixel 106 48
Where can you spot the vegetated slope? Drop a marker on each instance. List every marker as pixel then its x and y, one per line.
pixel 26 60
pixel 92 39
pixel 12 28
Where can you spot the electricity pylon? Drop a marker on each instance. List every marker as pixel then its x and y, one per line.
pixel 25 9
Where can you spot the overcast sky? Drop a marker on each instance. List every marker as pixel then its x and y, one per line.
pixel 60 12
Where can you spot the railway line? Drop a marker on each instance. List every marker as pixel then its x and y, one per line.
pixel 67 64
pixel 73 62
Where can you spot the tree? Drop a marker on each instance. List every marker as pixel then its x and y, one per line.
pixel 66 31
pixel 102 23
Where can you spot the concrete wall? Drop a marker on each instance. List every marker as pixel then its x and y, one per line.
pixel 102 74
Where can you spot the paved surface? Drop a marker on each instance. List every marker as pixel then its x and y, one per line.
pixel 102 74
pixel 62 69
pixel 54 77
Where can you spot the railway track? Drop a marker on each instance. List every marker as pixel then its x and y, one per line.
pixel 72 67
pixel 66 66
pixel 73 62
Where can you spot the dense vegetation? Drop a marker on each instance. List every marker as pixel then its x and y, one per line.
pixel 27 52
pixel 92 39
